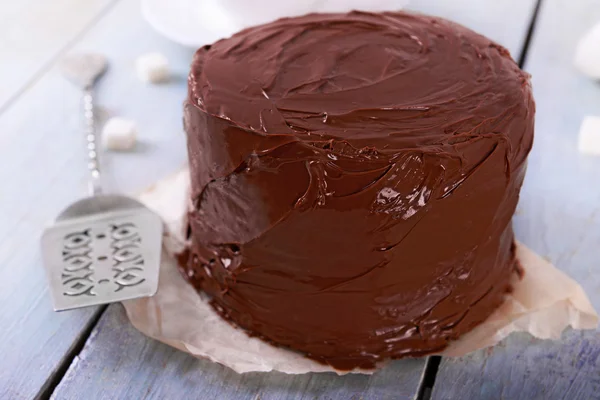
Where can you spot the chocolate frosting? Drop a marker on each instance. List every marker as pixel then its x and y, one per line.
pixel 353 181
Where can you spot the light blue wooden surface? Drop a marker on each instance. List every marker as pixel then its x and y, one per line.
pixel 33 33
pixel 40 141
pixel 524 368
pixel 43 168
pixel 118 362
pixel 559 218
pixel 34 181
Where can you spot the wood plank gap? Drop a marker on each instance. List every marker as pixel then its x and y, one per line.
pixel 428 379
pixel 47 65
pixel 529 34
pixel 57 375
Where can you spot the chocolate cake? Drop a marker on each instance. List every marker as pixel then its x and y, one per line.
pixel 353 181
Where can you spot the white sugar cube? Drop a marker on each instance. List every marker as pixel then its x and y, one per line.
pixel 589 136
pixel 587 55
pixel 119 134
pixel 152 67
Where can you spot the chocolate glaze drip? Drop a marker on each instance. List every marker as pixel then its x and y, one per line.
pixel 353 180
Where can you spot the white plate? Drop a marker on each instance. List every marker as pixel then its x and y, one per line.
pixel 195 23
pixel 184 21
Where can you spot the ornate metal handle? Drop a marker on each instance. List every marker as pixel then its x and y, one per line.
pixel 92 146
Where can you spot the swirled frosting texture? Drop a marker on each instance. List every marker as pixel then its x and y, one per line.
pixel 353 181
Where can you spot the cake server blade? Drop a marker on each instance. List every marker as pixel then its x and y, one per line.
pixel 103 248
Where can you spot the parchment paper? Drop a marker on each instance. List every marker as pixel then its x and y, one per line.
pixel 543 303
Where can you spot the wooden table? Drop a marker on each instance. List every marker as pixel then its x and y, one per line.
pixel 95 353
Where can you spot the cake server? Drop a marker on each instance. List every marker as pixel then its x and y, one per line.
pixel 105 247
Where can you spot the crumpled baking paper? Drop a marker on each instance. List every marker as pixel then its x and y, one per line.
pixel 543 303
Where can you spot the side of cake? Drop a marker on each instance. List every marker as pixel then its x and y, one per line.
pixel 353 180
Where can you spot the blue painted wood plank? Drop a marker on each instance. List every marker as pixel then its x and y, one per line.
pixel 118 362
pixel 33 182
pixel 33 33
pixel 559 217
pixel 522 367
pixel 42 150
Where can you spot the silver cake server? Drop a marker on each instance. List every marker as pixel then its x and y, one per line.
pixel 103 248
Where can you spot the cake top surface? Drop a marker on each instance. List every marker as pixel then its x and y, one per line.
pixel 388 80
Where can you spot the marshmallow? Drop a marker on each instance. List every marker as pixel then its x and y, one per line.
pixel 152 67
pixel 119 134
pixel 587 55
pixel 589 136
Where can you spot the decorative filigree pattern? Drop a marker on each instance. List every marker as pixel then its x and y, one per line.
pixel 83 268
